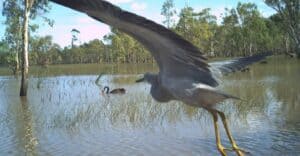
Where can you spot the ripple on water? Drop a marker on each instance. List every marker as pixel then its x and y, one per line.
pixel 70 117
pixel 8 141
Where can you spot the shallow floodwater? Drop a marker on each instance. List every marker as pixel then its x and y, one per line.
pixel 66 114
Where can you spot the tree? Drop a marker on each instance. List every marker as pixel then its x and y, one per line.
pixel 198 28
pixel 4 53
pixel 254 29
pixel 31 8
pixel 168 11
pixel 280 40
pixel 13 10
pixel 25 63
pixel 13 13
pixel 243 31
pixel 289 11
pixel 94 51
pixel 40 50
pixel 75 33
pixel 17 14
pixel 125 49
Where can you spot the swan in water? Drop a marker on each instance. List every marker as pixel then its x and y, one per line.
pixel 106 90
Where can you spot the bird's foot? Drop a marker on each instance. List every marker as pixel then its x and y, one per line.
pixel 239 151
pixel 222 150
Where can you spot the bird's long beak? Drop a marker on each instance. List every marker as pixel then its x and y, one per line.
pixel 140 80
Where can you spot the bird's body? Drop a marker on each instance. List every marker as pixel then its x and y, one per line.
pixel 194 94
pixel 184 74
pixel 247 69
pixel 106 90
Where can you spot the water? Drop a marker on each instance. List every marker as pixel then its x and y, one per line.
pixel 66 114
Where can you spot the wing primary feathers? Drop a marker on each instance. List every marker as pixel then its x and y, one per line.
pixel 230 66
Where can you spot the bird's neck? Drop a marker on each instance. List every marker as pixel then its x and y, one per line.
pixel 160 94
pixel 106 89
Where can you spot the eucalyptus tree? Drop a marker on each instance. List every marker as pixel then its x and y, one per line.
pixel 94 51
pixel 13 32
pixel 243 31
pixel 254 29
pixel 125 49
pixel 280 40
pixel 18 13
pixel 32 8
pixel 229 34
pixel 75 34
pixel 3 47
pixel 206 23
pixel 40 50
pixel 289 12
pixel 4 53
pixel 197 27
pixel 168 11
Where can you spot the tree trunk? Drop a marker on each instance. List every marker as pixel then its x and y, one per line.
pixel 298 46
pixel 19 48
pixel 25 64
pixel 298 51
pixel 250 49
pixel 17 65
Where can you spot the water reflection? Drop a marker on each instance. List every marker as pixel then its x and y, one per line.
pixel 68 115
pixel 25 129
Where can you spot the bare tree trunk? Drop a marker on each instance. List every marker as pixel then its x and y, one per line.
pixel 298 51
pixel 287 44
pixel 25 64
pixel 298 46
pixel 250 49
pixel 17 65
pixel 19 48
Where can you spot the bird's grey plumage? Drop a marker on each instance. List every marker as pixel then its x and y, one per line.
pixel 168 48
pixel 184 74
pixel 229 66
pixel 182 66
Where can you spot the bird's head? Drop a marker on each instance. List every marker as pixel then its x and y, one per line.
pixel 149 77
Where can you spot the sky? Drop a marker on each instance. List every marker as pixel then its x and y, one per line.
pixel 66 19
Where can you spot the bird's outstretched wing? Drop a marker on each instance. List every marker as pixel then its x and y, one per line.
pixel 175 56
pixel 229 66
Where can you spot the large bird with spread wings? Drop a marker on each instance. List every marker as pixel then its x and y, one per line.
pixel 184 74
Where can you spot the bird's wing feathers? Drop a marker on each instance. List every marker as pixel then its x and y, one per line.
pixel 233 65
pixel 175 56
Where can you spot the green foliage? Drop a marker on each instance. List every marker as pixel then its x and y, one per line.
pixel 4 52
pixel 3 47
pixel 243 31
pixel 125 49
pixel 168 11
pixel 289 12
pixel 13 12
pixel 13 32
pixel 197 27
pixel 122 49
pixel 246 29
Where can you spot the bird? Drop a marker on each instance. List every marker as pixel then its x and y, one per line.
pixel 245 69
pixel 184 72
pixel 114 91
pixel 263 62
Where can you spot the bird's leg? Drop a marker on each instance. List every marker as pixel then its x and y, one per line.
pixel 218 139
pixel 238 151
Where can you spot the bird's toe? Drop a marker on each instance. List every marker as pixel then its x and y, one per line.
pixel 239 151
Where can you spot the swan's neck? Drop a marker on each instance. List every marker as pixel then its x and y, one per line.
pixel 106 89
